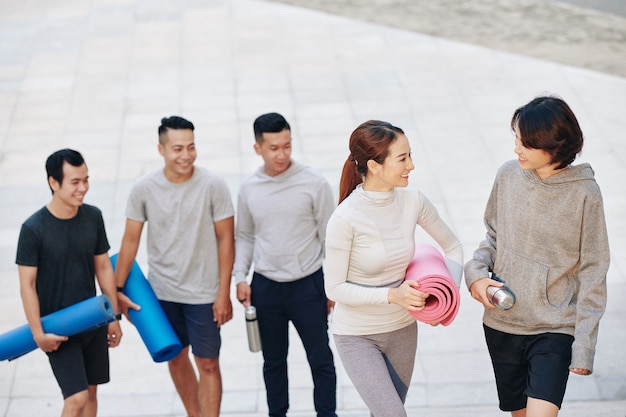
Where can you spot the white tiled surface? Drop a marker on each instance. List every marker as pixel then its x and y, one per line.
pixel 98 76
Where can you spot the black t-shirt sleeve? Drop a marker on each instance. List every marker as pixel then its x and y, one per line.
pixel 27 247
pixel 102 245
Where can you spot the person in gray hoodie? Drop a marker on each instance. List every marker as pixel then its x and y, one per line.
pixel 547 241
pixel 282 212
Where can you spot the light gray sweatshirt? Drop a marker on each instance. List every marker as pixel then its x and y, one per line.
pixel 547 240
pixel 281 223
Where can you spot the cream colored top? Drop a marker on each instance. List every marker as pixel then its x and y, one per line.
pixel 370 240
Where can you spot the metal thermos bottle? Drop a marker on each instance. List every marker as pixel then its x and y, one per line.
pixel 501 297
pixel 252 326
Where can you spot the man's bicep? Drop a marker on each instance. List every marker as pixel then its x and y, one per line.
pixel 102 262
pixel 27 274
pixel 133 229
pixel 225 228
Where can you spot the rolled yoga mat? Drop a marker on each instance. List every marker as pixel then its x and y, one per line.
pixel 88 314
pixel 151 322
pixel 428 267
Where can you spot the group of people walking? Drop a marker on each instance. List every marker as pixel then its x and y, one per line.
pixel 309 257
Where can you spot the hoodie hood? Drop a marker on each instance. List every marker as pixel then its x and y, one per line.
pixel 573 173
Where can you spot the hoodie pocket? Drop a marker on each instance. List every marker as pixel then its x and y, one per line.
pixel 528 279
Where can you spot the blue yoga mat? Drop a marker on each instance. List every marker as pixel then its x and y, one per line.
pixel 86 315
pixel 151 322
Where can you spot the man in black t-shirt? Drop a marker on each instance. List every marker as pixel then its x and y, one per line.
pixel 61 248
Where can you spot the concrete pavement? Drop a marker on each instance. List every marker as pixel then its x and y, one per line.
pixel 593 36
pixel 98 76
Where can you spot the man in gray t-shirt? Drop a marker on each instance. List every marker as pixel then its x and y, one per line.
pixel 190 247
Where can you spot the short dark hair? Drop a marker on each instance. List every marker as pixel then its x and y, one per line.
pixel 269 123
pixel 548 123
pixel 173 122
pixel 54 163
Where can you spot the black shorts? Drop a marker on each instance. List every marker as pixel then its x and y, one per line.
pixel 81 361
pixel 535 366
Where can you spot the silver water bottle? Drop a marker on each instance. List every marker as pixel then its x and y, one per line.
pixel 252 326
pixel 501 297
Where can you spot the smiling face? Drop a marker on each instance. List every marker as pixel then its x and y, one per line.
pixel 275 151
pixel 534 159
pixel 70 193
pixel 394 171
pixel 179 154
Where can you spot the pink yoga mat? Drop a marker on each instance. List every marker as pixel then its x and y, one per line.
pixel 428 267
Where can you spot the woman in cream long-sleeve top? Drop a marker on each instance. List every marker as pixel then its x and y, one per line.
pixel 369 244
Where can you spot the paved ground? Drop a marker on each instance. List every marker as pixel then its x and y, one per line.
pixel 607 6
pixel 592 37
pixel 98 75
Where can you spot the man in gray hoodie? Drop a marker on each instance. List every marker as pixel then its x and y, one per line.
pixel 547 240
pixel 282 211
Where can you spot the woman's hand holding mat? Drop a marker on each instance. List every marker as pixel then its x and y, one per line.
pixel 428 267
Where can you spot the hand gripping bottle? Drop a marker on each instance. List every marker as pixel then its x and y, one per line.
pixel 501 297
pixel 252 326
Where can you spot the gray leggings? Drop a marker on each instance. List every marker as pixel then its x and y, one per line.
pixel 380 367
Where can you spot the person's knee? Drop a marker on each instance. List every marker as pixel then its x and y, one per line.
pixel 180 360
pixel 75 403
pixel 208 366
pixel 92 393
